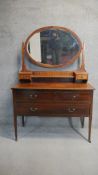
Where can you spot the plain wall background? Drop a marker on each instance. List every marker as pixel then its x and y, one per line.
pixel 18 18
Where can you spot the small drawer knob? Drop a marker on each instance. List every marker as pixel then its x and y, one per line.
pixel 35 95
pixel 31 95
pixel 74 96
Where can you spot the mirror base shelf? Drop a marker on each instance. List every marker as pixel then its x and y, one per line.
pixel 77 75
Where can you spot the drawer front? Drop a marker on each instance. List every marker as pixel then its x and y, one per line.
pixel 51 95
pixel 55 109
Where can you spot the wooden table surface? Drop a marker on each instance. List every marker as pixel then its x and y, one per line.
pixel 54 85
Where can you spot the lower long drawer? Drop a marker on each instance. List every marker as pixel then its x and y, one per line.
pixel 49 109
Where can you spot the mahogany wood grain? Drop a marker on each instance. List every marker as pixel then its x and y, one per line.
pixel 53 99
pixel 56 85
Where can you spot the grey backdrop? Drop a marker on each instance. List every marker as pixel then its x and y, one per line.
pixel 18 18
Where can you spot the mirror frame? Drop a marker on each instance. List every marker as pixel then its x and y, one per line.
pixel 33 60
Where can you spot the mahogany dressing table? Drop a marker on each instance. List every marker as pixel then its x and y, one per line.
pixel 53 93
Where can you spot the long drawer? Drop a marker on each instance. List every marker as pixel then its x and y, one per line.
pixel 55 109
pixel 52 95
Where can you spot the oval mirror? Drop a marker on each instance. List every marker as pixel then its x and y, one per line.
pixel 53 46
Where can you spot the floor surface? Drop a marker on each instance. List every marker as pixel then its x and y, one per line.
pixel 48 150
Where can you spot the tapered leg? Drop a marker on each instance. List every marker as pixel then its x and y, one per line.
pixel 82 121
pixel 23 123
pixel 15 126
pixel 90 123
pixel 89 129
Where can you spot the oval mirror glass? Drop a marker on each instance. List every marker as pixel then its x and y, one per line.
pixel 53 47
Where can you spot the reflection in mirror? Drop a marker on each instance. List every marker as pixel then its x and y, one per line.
pixel 53 46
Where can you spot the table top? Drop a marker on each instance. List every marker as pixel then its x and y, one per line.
pixel 54 85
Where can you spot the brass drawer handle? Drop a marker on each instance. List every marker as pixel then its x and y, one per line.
pixel 33 95
pixel 33 109
pixel 71 109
